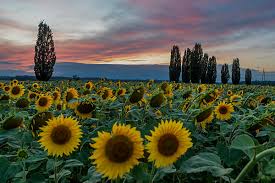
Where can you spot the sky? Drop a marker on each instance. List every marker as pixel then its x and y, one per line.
pixel 138 32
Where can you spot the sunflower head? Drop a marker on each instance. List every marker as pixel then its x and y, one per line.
pixel 157 100
pixel 236 99
pixel 84 109
pixel 204 117
pixel 22 103
pixel 89 85
pixel 2 85
pixel 265 100
pixel 107 93
pixel 61 136
pixel 40 120
pixel 13 122
pixel 121 92
pixel 14 82
pixel 7 88
pixel 86 92
pixel 137 95
pixel 187 94
pixel 4 98
pixel 223 111
pixel 229 93
pixel 32 96
pixel 201 88
pixel 35 85
pixel 56 96
pixel 43 103
pixel 70 94
pixel 16 91
pixel 167 143
pixel 116 153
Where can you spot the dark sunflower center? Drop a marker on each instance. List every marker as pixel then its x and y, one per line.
pixel 7 88
pixel 120 92
pixel 15 90
pixel 32 95
pixel 85 108
pixel 223 110
pixel 69 96
pixel 88 86
pixel 119 149
pixel 61 134
pixel 43 101
pixel 168 144
pixel 204 115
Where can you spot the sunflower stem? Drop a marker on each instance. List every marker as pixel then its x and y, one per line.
pixel 55 171
pixel 252 163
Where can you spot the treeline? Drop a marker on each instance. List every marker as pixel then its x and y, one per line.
pixel 198 67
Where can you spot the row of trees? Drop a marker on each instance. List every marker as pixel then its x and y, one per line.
pixel 198 67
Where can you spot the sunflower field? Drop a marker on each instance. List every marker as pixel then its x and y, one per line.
pixel 107 131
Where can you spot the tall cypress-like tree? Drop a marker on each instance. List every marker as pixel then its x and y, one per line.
pixel 225 74
pixel 175 64
pixel 236 71
pixel 248 76
pixel 212 70
pixel 204 64
pixel 196 57
pixel 44 58
pixel 186 66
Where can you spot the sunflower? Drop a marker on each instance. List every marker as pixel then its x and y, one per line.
pixel 7 88
pixel 22 103
pixel 137 95
pixel 13 122
pixel 204 117
pixel 14 82
pixel 61 136
pixel 235 99
pixel 223 111
pixel 70 95
pixel 121 92
pixel 116 153
pixel 16 91
pixel 35 85
pixel 84 110
pixel 39 120
pixel 167 143
pixel 89 85
pixel 107 93
pixel 32 96
pixel 201 88
pixel 157 100
pixel 2 85
pixel 56 96
pixel 43 103
pixel 229 93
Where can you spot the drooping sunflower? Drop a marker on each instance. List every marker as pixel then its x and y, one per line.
pixel 116 153
pixel 71 94
pixel 157 100
pixel 43 103
pixel 137 95
pixel 223 111
pixel 39 120
pixel 22 103
pixel 61 136
pixel 236 99
pixel 16 91
pixel 205 117
pixel 167 143
pixel 84 110
pixel 2 85
pixel 13 122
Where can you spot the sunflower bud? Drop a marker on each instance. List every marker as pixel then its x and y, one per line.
pixel 137 95
pixel 40 120
pixel 157 100
pixel 22 103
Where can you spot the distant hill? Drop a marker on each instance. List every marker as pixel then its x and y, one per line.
pixel 125 72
